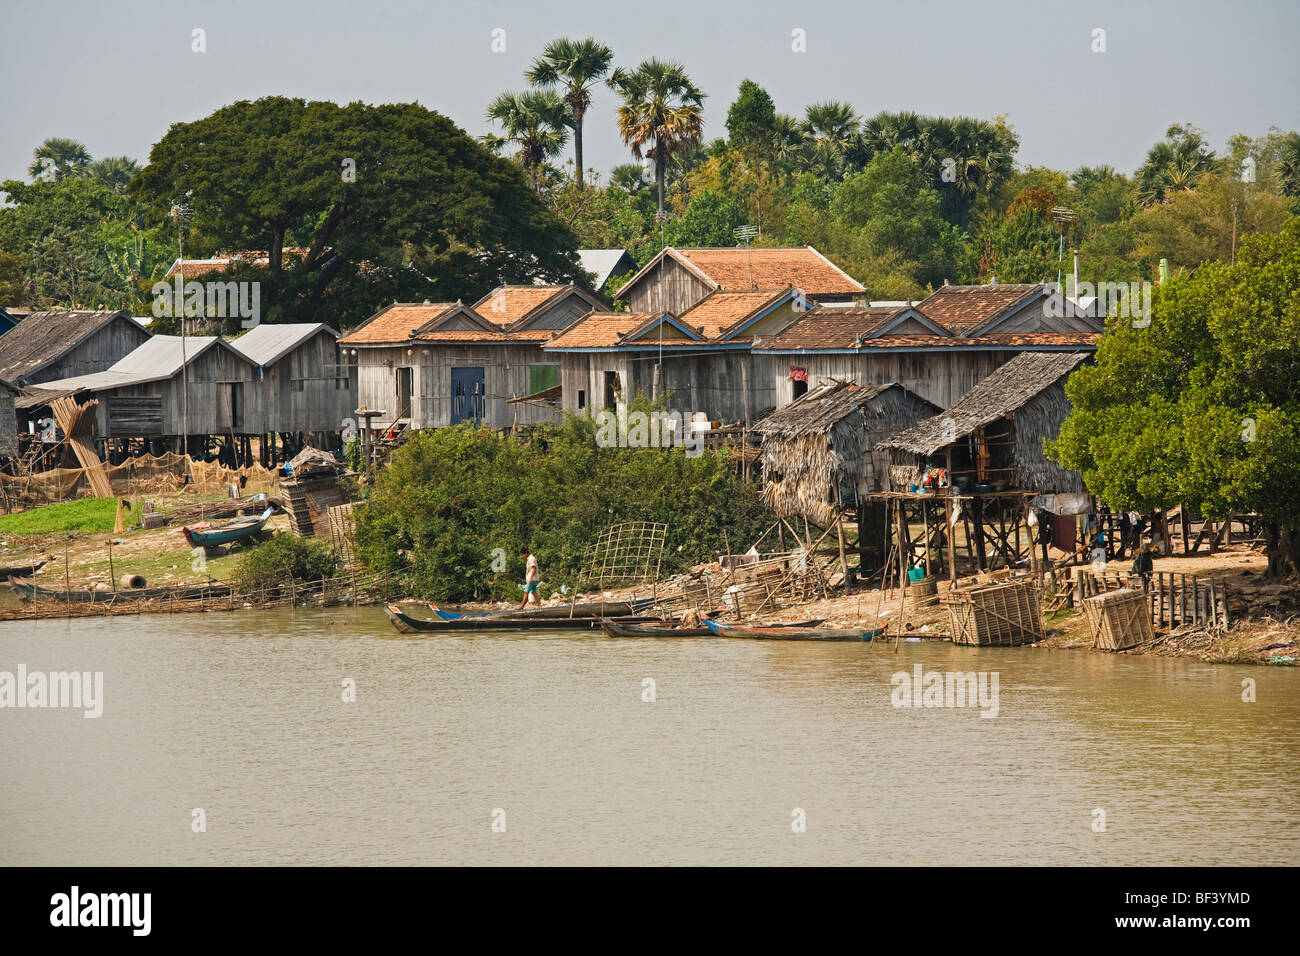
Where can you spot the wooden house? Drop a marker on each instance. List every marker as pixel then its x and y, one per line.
pixel 167 388
pixel 699 361
pixel 992 439
pixel 52 345
pixel 436 364
pixel 676 280
pixel 938 348
pixel 7 321
pixel 822 451
pixel 8 420
pixel 304 384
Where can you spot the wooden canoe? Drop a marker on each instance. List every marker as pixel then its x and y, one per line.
pixel 30 591
pixel 791 633
pixel 226 534
pixel 588 610
pixel 615 629
pixel 412 625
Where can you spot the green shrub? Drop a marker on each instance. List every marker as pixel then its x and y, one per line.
pixel 454 502
pixel 284 559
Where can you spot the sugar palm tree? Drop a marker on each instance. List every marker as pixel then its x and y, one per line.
pixel 1287 166
pixel 629 177
pixel 114 171
pixel 833 122
pixel 1174 165
pixel 788 141
pixel 59 157
pixel 575 65
pixel 535 122
pixel 662 115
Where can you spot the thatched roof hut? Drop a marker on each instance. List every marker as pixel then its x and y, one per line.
pixel 996 433
pixel 826 441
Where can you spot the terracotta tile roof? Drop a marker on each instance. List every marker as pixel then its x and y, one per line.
pixel 395 324
pixel 1041 339
pixel 600 329
pixel 802 267
pixel 531 335
pixel 833 329
pixel 1007 340
pixel 510 303
pixel 961 308
pixel 462 335
pixel 721 310
pixel 193 268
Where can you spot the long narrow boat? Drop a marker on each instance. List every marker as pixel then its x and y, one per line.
pixel 31 591
pixel 411 625
pixel 228 533
pixel 791 633
pixel 23 569
pixel 615 629
pixel 589 609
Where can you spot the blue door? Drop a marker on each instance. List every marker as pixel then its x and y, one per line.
pixel 467 395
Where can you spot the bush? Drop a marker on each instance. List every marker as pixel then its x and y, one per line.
pixel 455 502
pixel 281 561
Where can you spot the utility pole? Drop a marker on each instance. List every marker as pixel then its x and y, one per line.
pixel 178 302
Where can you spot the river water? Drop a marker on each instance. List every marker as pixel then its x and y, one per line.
pixel 518 748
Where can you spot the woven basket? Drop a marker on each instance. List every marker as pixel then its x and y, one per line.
pixel 1002 615
pixel 1118 619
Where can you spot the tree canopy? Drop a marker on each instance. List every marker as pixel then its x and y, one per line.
pixel 1202 405
pixel 390 201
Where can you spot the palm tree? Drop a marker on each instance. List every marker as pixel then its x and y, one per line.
pixel 662 113
pixel 629 177
pixel 1287 166
pixel 114 172
pixel 535 122
pixel 575 65
pixel 1173 165
pixel 884 131
pixel 832 122
pixel 59 156
pixel 788 140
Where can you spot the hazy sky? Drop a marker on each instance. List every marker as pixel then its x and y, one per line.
pixel 115 75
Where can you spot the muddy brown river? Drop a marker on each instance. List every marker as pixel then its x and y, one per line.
pixel 230 738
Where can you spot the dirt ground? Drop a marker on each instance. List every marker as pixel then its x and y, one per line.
pixel 161 555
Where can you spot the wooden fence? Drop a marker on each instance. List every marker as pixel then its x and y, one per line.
pixel 1174 599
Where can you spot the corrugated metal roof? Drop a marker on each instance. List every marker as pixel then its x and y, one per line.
pixel 600 263
pixel 267 344
pixel 158 358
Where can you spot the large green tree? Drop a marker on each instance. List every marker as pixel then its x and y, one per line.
pixel 751 119
pixel 1201 404
pixel 81 244
pixel 390 201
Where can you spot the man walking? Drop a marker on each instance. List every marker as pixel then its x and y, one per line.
pixel 531 578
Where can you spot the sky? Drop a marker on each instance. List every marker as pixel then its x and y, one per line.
pixel 116 75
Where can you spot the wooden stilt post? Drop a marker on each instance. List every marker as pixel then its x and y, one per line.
pixel 948 534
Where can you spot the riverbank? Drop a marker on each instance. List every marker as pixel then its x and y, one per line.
pixel 1265 628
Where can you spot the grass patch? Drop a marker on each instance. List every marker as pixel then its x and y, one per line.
pixel 92 515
